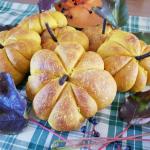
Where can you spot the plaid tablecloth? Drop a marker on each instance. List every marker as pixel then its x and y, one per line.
pixel 33 137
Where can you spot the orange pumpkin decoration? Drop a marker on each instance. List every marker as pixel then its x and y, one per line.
pixel 78 12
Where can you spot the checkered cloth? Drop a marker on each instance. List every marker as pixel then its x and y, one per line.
pixel 35 138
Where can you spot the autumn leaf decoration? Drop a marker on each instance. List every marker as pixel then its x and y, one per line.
pixel 114 11
pixel 12 106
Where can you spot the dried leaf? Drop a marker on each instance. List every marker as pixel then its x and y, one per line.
pixel 114 11
pixel 12 106
pixel 45 4
pixel 136 108
pixel 120 12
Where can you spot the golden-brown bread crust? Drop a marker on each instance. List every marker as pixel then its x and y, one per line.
pixel 85 102
pixel 90 60
pixel 37 22
pixel 60 18
pixel 87 88
pixel 47 42
pixel 115 49
pixel 31 23
pixel 21 42
pixel 126 77
pixel 65 116
pixel 3 36
pixel 24 47
pixel 6 66
pixel 69 54
pixel 19 46
pixel 62 30
pixel 114 63
pixel 119 53
pixel 17 34
pixel 46 61
pixel 98 83
pixel 64 34
pixel 75 36
pixel 45 100
pixel 45 17
pixel 143 46
pixel 145 64
pixel 19 62
pixel 95 36
pixel 36 82
pixel 127 40
pixel 141 79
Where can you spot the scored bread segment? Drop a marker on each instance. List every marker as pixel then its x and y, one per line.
pixel 46 98
pixel 36 82
pixel 6 66
pixel 98 83
pixel 69 54
pixel 15 58
pixel 23 47
pixel 85 102
pixel 64 34
pixel 114 63
pixel 37 22
pixel 123 75
pixel 111 48
pixel 145 63
pixel 90 60
pixel 74 36
pixel 60 18
pixel 65 115
pixel 141 79
pixel 46 61
pixel 127 40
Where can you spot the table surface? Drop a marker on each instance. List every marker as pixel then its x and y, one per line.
pixel 108 125
pixel 136 7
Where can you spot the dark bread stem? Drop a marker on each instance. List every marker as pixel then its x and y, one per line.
pixel 142 56
pixel 63 79
pixel 104 26
pixel 51 32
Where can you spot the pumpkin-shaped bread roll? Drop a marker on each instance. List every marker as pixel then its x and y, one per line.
pixel 68 85
pixel 123 57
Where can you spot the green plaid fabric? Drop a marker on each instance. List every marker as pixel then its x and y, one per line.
pixel 33 137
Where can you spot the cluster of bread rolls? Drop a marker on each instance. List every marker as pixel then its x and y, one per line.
pixel 21 42
pixel 69 82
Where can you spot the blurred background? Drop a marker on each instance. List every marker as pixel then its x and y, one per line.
pixel 136 7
